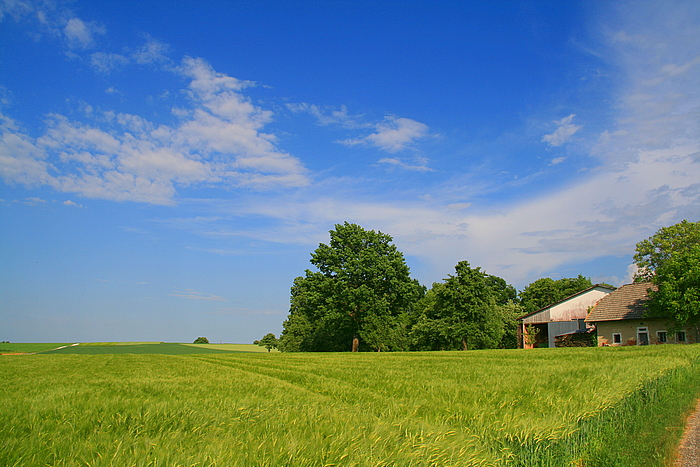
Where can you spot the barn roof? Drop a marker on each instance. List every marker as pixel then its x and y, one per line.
pixel 532 313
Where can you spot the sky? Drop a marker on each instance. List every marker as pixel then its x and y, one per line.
pixel 166 168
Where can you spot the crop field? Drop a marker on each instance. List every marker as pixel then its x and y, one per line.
pixel 160 348
pixel 548 407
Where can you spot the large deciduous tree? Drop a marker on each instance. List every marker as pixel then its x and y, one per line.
pixel 461 313
pixel 361 289
pixel 671 260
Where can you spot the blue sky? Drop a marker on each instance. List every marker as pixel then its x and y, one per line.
pixel 167 167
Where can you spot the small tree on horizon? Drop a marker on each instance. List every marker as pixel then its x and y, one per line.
pixel 269 341
pixel 201 340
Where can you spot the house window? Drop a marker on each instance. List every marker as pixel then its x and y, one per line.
pixel 617 338
pixel 661 337
pixel 680 336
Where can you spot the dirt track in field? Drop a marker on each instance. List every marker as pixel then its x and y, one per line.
pixel 689 449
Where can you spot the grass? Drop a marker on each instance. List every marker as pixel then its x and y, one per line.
pixel 141 349
pixel 582 407
pixel 235 347
pixel 26 348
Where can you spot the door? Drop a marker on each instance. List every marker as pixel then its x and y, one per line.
pixel 642 337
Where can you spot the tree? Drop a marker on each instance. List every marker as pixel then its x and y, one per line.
pixel 201 340
pixel 671 260
pixel 545 291
pixel 509 313
pixel 460 313
pixel 653 252
pixel 269 341
pixel 361 288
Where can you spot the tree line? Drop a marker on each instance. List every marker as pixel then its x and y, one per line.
pixel 361 296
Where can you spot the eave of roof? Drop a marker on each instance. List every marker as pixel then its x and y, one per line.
pixel 565 299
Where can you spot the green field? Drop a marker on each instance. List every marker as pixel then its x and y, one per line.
pixel 27 348
pixel 549 407
pixel 162 348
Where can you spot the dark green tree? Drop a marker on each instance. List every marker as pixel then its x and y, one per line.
pixel 460 313
pixel 653 252
pixel 360 290
pixel 201 340
pixel 671 260
pixel 546 291
pixel 269 341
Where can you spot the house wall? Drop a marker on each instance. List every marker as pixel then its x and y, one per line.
pixel 572 309
pixel 628 331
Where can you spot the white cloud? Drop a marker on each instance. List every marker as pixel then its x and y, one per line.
pixel 557 160
pixel 393 134
pixel 565 130
pixel 125 157
pixel 81 35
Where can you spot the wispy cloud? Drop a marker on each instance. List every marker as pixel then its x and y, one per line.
pixel 565 130
pixel 54 20
pixel 191 294
pixel 393 134
pixel 330 116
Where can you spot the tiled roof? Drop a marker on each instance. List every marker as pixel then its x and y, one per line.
pixel 627 302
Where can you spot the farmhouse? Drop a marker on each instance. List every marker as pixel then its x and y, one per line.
pixel 563 317
pixel 619 320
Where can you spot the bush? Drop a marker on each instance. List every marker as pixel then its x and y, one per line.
pixel 201 340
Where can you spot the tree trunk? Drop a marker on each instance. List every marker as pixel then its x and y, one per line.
pixel 355 344
pixel 464 343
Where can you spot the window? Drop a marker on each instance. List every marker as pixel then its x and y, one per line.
pixel 617 338
pixel 661 337
pixel 680 336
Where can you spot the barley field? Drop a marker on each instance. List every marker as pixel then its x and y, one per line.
pixel 548 407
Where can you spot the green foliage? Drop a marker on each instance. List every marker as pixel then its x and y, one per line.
pixel 361 288
pixel 201 340
pixel 671 260
pixel 546 291
pixel 269 341
pixel 461 313
pixel 653 252
pixel 509 313
pixel 496 407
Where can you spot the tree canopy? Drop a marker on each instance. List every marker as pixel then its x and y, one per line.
pixel 269 341
pixel 666 243
pixel 470 310
pixel 545 291
pixel 361 289
pixel 671 260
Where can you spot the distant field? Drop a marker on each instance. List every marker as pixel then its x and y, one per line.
pixel 5 348
pixel 548 407
pixel 234 347
pixel 143 349
pixel 95 348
